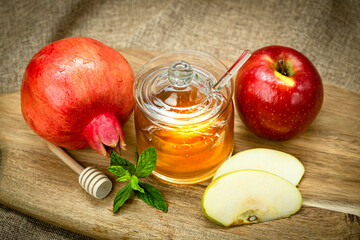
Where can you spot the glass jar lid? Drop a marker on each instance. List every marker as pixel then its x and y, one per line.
pixel 176 87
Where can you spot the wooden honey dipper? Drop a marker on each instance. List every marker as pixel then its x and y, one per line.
pixel 93 181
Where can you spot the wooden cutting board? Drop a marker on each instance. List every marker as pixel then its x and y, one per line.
pixel 34 181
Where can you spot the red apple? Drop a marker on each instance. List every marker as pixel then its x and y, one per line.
pixel 278 93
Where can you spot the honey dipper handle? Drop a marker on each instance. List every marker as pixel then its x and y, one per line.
pixel 93 181
pixel 74 165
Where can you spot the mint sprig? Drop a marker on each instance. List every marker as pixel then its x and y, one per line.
pixel 126 171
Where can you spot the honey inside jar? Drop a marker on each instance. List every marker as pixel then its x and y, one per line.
pixel 190 125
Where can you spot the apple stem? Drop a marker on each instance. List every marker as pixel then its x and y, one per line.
pixel 281 68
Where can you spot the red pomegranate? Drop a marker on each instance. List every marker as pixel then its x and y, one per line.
pixel 77 92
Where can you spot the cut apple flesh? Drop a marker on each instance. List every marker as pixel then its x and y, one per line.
pixel 249 196
pixel 279 163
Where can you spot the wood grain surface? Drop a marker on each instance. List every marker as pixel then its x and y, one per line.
pixel 34 181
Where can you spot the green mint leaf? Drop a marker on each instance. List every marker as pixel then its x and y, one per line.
pixel 124 178
pixel 152 196
pixel 120 172
pixel 135 184
pixel 146 163
pixel 121 197
pixel 197 76
pixel 116 160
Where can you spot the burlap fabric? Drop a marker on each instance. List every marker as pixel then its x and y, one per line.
pixel 327 32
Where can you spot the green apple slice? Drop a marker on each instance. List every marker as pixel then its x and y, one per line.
pixel 273 161
pixel 249 196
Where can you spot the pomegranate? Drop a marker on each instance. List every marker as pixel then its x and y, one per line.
pixel 77 92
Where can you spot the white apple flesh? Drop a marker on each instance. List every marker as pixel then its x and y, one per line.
pixel 279 163
pixel 249 196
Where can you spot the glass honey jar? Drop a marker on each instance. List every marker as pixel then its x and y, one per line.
pixel 178 112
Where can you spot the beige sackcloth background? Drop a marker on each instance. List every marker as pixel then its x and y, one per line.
pixel 327 32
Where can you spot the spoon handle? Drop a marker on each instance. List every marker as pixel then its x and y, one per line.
pixel 232 70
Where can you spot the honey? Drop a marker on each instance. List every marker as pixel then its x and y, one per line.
pixel 190 125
